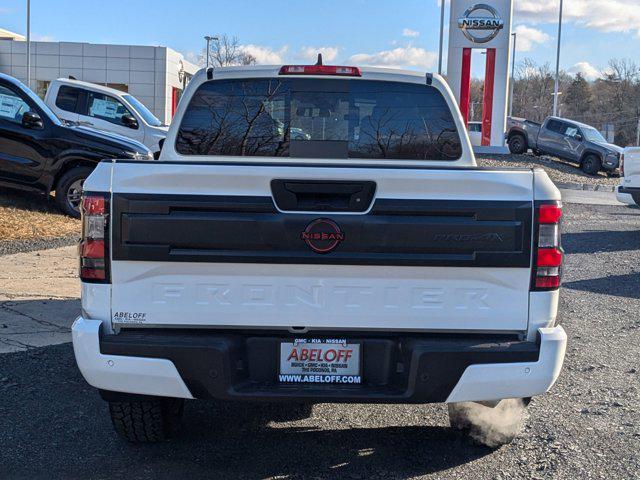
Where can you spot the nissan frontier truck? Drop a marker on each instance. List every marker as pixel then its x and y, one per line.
pixel 316 233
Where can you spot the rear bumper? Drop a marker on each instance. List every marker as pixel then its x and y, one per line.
pixel 623 194
pixel 407 368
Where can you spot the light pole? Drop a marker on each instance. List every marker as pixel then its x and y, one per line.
pixel 208 38
pixel 441 37
pixel 556 84
pixel 513 78
pixel 29 43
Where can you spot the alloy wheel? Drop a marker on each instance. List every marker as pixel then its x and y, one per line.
pixel 74 194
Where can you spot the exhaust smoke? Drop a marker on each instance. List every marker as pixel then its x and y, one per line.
pixel 494 426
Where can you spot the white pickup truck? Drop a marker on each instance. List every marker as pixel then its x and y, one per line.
pixel 316 234
pixel 108 109
pixel 629 189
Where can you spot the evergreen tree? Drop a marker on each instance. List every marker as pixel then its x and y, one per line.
pixel 578 100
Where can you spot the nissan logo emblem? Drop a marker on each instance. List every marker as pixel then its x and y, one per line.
pixel 490 24
pixel 322 235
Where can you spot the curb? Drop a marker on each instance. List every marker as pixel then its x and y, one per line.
pixel 585 186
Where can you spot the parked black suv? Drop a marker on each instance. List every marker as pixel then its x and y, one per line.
pixel 39 152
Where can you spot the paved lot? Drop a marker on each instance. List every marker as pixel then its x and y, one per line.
pixel 587 197
pixel 52 425
pixel 38 298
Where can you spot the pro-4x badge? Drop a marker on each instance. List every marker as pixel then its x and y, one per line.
pixel 322 235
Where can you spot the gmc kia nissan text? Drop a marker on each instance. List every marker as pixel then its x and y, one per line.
pixel 316 234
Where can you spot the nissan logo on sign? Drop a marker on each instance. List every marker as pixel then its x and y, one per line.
pixel 489 24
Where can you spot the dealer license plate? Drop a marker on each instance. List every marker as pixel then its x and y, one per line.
pixel 320 361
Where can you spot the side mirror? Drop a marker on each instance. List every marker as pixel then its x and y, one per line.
pixel 129 121
pixel 578 137
pixel 31 119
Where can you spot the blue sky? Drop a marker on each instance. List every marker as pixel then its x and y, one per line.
pixel 398 34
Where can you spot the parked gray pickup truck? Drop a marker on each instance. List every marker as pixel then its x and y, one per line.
pixel 564 139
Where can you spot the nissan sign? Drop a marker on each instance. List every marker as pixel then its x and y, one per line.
pixel 491 23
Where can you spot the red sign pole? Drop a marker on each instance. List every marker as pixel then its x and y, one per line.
pixel 487 101
pixel 465 84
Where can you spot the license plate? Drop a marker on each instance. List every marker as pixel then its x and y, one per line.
pixel 320 361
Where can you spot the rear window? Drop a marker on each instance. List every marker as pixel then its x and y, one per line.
pixel 319 118
pixel 67 98
pixel 554 126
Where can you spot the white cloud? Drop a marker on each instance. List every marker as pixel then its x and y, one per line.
pixel 407 32
pixel 397 58
pixel 265 55
pixel 603 15
pixel 44 38
pixel 329 54
pixel 528 36
pixel 587 70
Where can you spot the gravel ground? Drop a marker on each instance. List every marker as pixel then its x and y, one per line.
pixel 29 222
pixel 33 244
pixel 558 170
pixel 53 425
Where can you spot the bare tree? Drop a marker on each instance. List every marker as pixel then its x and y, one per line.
pixel 533 90
pixel 476 100
pixel 226 51
pixel 618 100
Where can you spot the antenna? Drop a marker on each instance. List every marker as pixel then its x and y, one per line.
pixel 319 62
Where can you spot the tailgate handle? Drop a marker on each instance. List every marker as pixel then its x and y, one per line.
pixel 322 196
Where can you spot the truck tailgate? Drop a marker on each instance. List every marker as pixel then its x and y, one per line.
pixel 434 249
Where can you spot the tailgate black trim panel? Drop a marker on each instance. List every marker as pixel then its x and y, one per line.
pixel 244 229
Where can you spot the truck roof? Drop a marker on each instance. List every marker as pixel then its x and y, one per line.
pixel 368 73
pixel 91 86
pixel 564 119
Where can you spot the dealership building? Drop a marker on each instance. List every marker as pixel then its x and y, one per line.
pixel 156 76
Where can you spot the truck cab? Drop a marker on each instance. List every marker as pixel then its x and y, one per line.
pixel 316 234
pixel 106 109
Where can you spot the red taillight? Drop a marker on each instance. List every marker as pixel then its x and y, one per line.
pixel 93 205
pixel 547 283
pixel 93 245
pixel 338 70
pixel 548 253
pixel 549 214
pixel 549 257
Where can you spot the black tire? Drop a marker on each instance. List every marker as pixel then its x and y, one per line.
pixel 517 144
pixel 591 165
pixel 67 192
pixel 490 426
pixel 636 198
pixel 147 421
